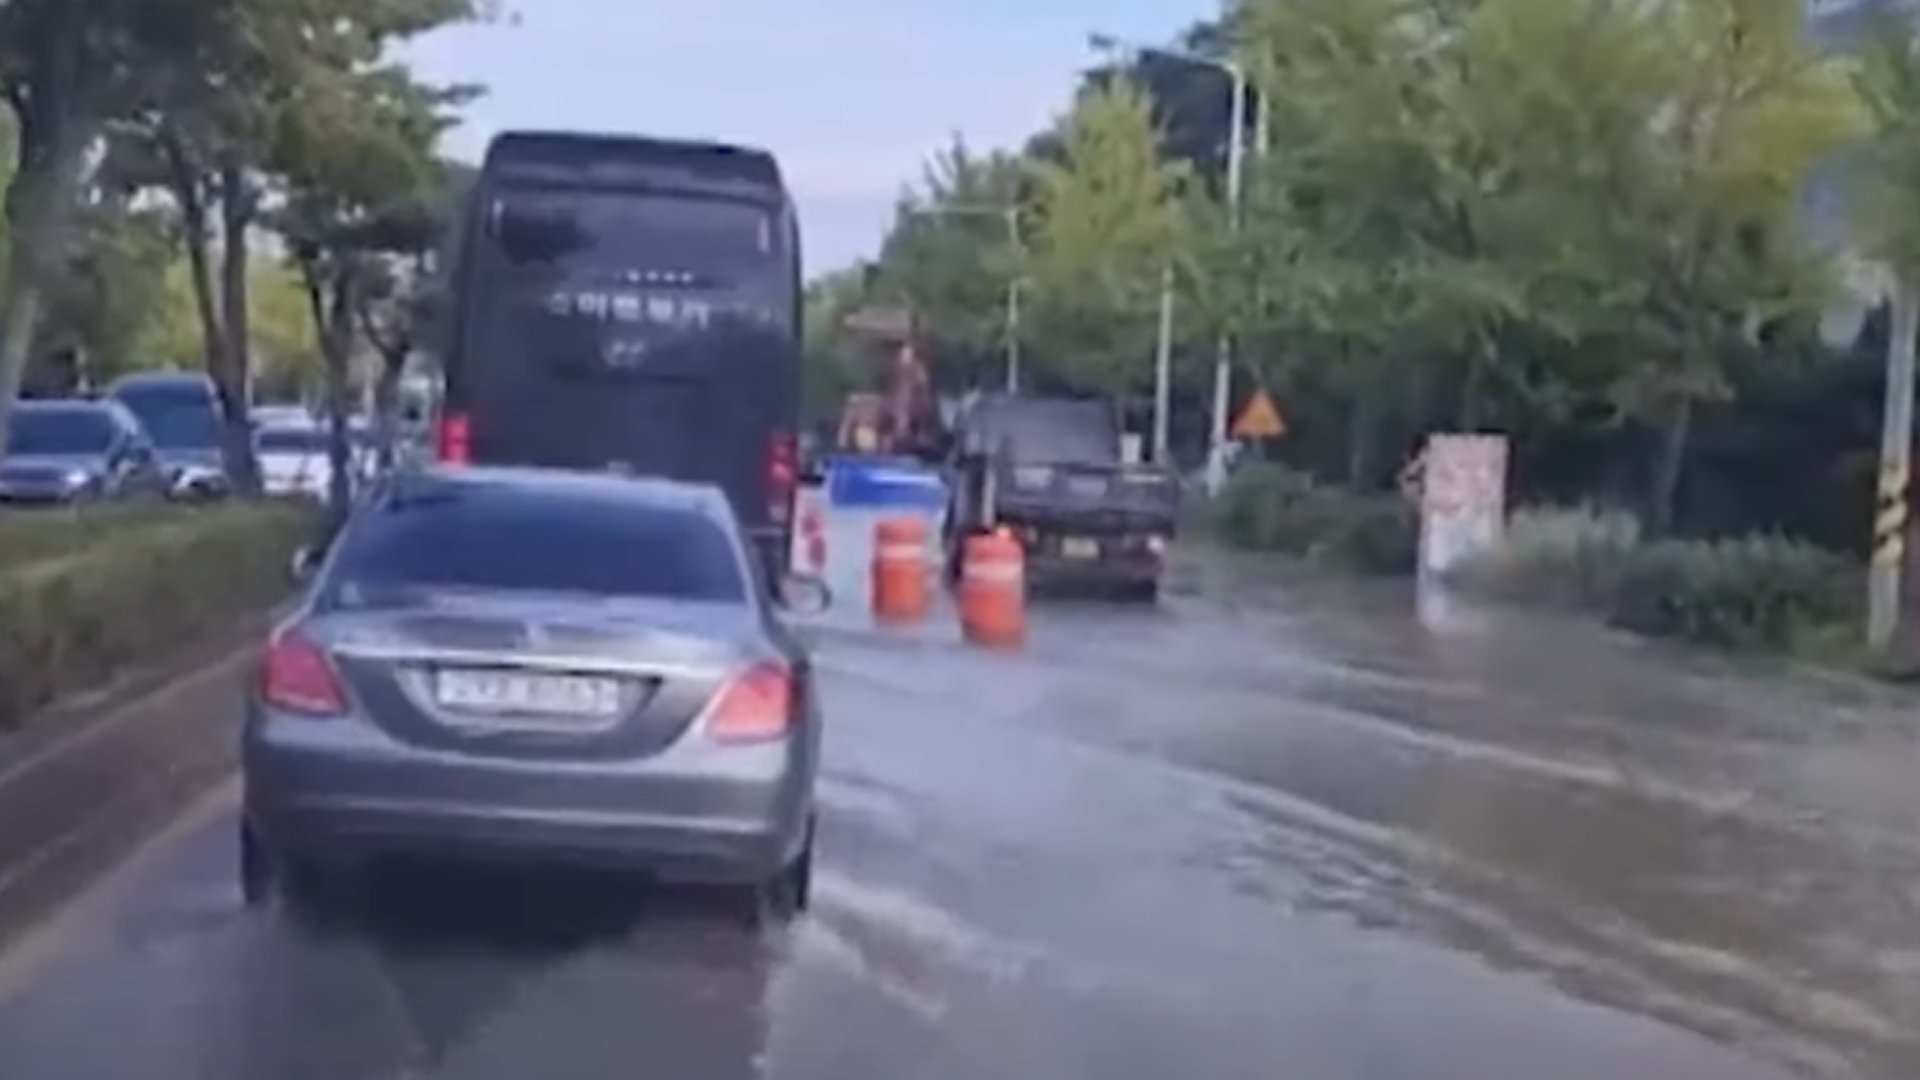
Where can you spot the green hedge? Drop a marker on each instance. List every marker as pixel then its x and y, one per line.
pixel 82 597
pixel 29 535
pixel 1272 508
pixel 1755 592
pixel 1760 591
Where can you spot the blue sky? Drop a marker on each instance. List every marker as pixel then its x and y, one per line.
pixel 853 95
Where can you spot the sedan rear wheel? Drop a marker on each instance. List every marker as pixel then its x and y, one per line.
pixel 784 898
pixel 316 901
pixel 256 870
pixel 314 897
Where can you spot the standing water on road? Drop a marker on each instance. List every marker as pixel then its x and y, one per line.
pixel 1268 820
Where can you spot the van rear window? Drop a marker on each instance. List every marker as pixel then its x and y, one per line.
pixel 593 282
pixel 638 238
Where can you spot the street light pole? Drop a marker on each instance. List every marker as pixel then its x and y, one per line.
pixel 1163 369
pixel 1013 303
pixel 1216 473
pixel 1011 215
pixel 1223 365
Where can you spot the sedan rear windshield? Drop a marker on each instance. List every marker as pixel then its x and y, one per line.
pixel 543 542
pixel 293 441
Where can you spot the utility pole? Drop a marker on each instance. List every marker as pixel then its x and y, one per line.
pixel 1216 474
pixel 1896 461
pixel 1011 215
pixel 1013 303
pixel 1163 370
pixel 1223 364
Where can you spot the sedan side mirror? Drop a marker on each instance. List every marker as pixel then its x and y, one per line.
pixel 805 594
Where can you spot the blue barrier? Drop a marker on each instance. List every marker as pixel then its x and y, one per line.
pixel 866 481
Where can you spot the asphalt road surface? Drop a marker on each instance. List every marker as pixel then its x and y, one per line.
pixel 1268 829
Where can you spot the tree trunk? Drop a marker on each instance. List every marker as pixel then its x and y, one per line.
pixel 386 405
pixel 1668 466
pixel 1362 420
pixel 195 239
pixel 40 203
pixel 1473 391
pixel 235 380
pixel 330 298
pixel 393 349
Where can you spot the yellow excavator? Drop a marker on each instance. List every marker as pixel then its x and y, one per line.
pixel 901 417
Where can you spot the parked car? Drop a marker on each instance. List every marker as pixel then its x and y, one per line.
pixel 65 451
pixel 181 414
pixel 293 458
pixel 526 666
pixel 282 415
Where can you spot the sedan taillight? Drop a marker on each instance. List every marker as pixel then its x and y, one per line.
pixel 297 677
pixel 755 706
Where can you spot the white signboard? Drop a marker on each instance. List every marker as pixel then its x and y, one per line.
pixel 1463 498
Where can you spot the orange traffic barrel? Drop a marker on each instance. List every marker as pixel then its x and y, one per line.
pixel 901 592
pixel 993 592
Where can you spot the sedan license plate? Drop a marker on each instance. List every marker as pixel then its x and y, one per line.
pixel 1079 547
pixel 510 693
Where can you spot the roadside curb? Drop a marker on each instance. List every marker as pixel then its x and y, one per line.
pixel 88 783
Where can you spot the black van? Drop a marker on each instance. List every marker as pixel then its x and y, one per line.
pixel 633 305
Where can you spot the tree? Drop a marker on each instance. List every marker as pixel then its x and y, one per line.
pixel 64 68
pixel 949 256
pixel 1707 204
pixel 1192 100
pixel 1463 187
pixel 286 352
pixel 836 363
pixel 110 287
pixel 1886 165
pixel 359 166
pixel 204 124
pixel 1108 223
pixel 395 304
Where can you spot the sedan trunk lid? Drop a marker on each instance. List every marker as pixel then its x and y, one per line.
pixel 534 675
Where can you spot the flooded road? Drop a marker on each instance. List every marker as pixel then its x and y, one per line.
pixel 1270 828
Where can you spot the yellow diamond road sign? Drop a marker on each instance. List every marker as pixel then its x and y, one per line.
pixel 1260 419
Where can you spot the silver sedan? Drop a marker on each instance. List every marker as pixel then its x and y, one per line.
pixel 525 666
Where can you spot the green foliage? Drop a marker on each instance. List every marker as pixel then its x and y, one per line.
pixel 113 597
pixel 286 351
pixel 1275 509
pixel 109 289
pixel 950 257
pixel 226 107
pixel 1107 225
pixel 1753 592
pixel 836 364
pixel 1887 195
pixel 32 537
pixel 1557 557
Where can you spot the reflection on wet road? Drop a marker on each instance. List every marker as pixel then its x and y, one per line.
pixel 1269 829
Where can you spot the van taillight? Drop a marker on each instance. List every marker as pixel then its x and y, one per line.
pixel 453 439
pixel 783 475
